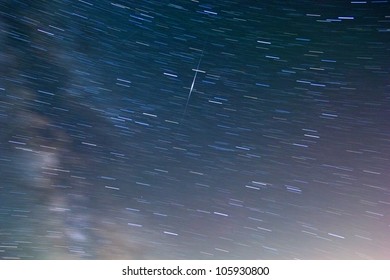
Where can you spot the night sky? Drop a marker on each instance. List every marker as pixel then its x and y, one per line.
pixel 194 129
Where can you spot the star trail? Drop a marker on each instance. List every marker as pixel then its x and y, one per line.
pixel 194 129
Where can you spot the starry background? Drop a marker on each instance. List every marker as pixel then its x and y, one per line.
pixel 194 129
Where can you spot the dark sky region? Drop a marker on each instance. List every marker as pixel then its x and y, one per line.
pixel 194 129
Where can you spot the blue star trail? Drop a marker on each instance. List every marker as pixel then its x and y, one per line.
pixel 194 130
